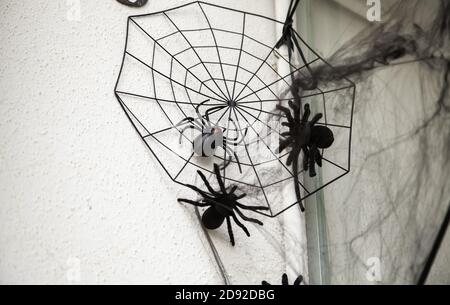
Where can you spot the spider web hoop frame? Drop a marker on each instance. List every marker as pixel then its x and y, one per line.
pixel 228 79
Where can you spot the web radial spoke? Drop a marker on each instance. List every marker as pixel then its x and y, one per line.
pixel 224 97
pixel 161 99
pixel 263 111
pixel 165 76
pixel 239 58
pixel 238 82
pixel 271 84
pixel 193 75
pixel 225 150
pixel 257 119
pixel 217 50
pixel 256 72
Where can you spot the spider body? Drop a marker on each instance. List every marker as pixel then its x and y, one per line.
pixel 136 3
pixel 303 136
pixel 223 205
pixel 211 136
pixel 215 215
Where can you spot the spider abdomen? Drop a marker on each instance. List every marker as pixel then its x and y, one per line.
pixel 322 136
pixel 206 143
pixel 212 218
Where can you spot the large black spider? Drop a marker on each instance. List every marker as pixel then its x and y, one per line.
pixel 303 136
pixel 285 281
pixel 222 204
pixel 211 136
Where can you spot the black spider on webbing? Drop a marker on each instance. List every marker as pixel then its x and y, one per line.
pixel 211 135
pixel 289 39
pixel 303 136
pixel 222 205
pixel 285 281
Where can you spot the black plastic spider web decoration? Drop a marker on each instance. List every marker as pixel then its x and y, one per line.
pixel 197 56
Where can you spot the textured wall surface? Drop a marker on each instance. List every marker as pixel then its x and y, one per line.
pixel 81 200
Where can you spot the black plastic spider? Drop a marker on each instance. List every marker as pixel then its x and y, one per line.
pixel 285 281
pixel 211 136
pixel 222 205
pixel 289 39
pixel 304 136
pixel 135 3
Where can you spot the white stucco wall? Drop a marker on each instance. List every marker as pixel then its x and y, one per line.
pixel 77 186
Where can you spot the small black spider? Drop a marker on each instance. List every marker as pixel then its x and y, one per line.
pixel 135 3
pixel 303 135
pixel 285 281
pixel 289 39
pixel 222 205
pixel 211 136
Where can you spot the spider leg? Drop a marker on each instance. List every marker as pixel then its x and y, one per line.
pixel 283 145
pixel 306 113
pixel 234 123
pixel 312 161
pixel 243 136
pixel 305 158
pixel 192 121
pixel 235 141
pixel 233 189
pixel 291 158
pixel 312 168
pixel 212 109
pixel 212 201
pixel 294 105
pixel 226 163
pixel 186 128
pixel 252 208
pixel 244 228
pixel 248 218
pixel 235 128
pixel 286 112
pixel 298 281
pixel 318 157
pixel 239 139
pixel 195 203
pixel 297 184
pixel 241 196
pixel 196 189
pixel 230 140
pixel 230 152
pixel 284 279
pixel 230 231
pixel 238 162
pixel 207 184
pixel 316 119
pixel 184 121
pixel 200 117
pixel 219 178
